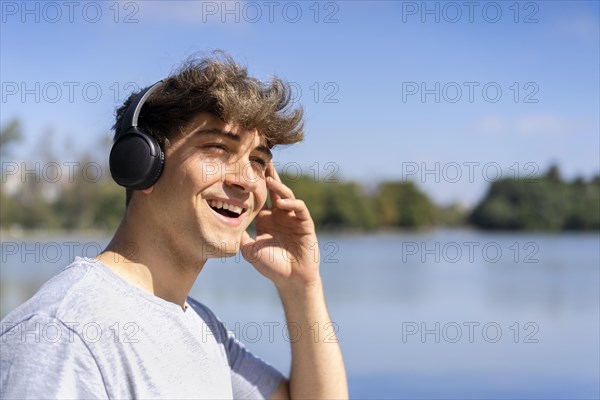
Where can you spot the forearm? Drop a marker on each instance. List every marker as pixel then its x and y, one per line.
pixel 317 365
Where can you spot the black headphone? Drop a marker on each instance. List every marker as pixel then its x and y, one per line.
pixel 136 158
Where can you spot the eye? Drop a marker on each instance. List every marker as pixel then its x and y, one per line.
pixel 215 147
pixel 259 162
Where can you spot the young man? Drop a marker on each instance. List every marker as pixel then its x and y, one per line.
pixel 121 325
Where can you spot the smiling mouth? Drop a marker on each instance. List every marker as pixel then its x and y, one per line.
pixel 226 209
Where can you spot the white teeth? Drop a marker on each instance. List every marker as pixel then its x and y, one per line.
pixel 225 206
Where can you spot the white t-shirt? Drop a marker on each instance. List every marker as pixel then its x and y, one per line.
pixel 88 333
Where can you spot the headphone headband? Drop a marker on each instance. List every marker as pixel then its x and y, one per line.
pixel 130 119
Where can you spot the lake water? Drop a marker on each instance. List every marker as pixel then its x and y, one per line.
pixel 438 315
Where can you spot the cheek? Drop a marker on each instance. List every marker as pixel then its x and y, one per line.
pixel 205 171
pixel 261 194
pixel 199 175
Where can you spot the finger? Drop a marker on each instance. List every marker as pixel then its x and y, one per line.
pixel 264 222
pixel 277 178
pixel 276 175
pixel 271 174
pixel 270 169
pixel 297 206
pixel 279 190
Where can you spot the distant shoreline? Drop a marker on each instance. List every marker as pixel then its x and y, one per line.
pixel 26 234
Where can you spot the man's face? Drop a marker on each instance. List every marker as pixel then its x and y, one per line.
pixel 212 187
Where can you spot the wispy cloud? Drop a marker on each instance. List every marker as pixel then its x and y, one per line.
pixel 542 124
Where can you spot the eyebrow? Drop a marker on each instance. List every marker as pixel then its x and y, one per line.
pixel 236 138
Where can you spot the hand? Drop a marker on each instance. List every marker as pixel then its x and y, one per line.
pixel 286 249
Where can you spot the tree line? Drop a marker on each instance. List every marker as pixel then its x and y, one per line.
pixel 548 202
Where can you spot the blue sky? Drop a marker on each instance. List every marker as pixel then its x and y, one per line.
pixel 359 68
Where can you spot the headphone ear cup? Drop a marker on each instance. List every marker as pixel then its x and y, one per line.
pixel 136 160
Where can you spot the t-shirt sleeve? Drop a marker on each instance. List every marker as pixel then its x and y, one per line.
pixel 43 358
pixel 251 377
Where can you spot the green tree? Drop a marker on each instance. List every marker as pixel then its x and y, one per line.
pixel 9 207
pixel 333 205
pixel 548 203
pixel 311 192
pixel 584 201
pixel 402 204
pixel 347 206
pixel 90 201
pixel 10 135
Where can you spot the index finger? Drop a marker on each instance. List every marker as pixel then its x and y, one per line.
pixel 276 175
pixel 272 173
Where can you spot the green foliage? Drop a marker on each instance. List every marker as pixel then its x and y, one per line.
pixel 547 203
pixel 87 204
pixel 402 204
pixel 347 206
pixel 334 205
pixel 110 205
pixel 453 215
pixel 584 205
pixel 10 135
pixel 28 208
pixel 77 205
pixel 337 205
pixel 312 192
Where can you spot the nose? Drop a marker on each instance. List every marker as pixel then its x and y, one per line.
pixel 241 175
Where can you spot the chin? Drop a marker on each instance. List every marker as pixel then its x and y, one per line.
pixel 222 246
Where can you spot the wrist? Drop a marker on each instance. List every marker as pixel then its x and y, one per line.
pixel 298 290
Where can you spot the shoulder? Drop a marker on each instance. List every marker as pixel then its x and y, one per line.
pixel 81 292
pixel 50 299
pixel 43 357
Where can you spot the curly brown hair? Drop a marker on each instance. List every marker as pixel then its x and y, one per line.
pixel 218 85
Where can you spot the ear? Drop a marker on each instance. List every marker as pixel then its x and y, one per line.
pixel 149 190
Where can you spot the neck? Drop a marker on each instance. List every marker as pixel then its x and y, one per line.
pixel 145 256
